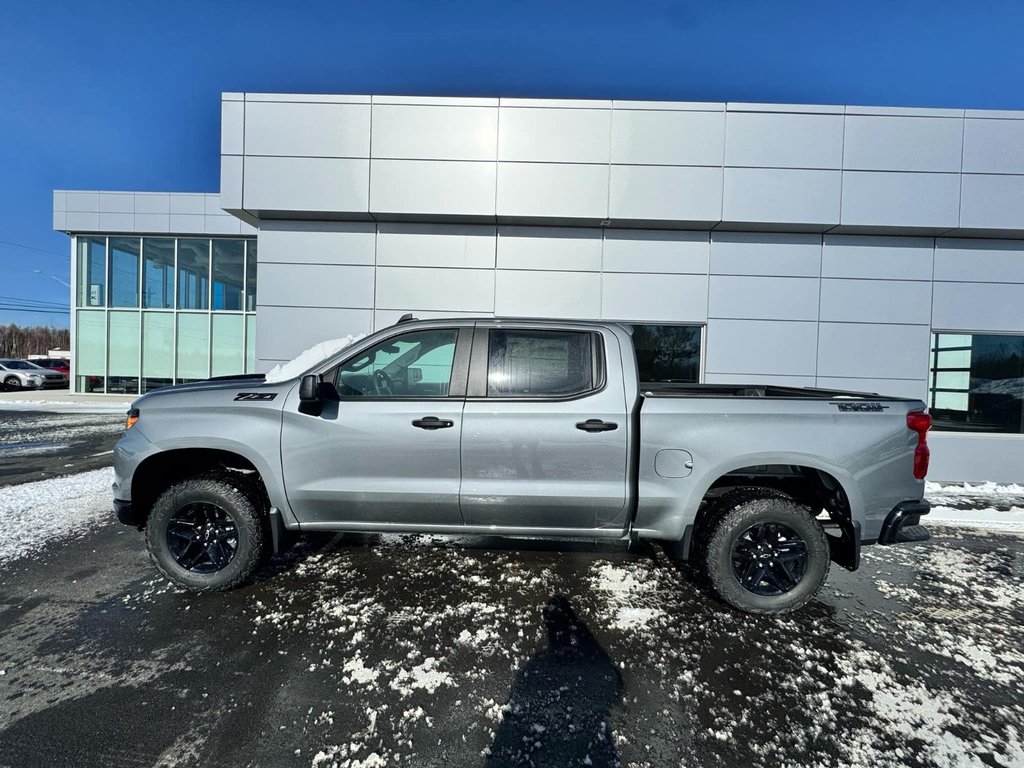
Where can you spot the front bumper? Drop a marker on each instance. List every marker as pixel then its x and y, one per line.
pixel 903 523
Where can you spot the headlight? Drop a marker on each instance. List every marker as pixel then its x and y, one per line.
pixel 133 416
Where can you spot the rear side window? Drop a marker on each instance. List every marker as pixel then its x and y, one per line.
pixel 540 363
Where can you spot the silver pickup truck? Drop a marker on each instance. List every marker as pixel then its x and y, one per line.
pixel 523 428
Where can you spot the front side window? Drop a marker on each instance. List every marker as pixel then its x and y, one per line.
pixel 411 366
pixel 977 383
pixel 539 363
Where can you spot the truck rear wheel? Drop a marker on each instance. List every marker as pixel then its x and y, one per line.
pixel 207 533
pixel 764 553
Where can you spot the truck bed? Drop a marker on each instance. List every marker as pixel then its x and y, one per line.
pixel 770 391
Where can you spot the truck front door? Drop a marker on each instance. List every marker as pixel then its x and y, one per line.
pixel 544 438
pixel 387 450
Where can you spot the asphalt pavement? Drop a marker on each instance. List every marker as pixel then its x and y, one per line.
pixel 36 444
pixel 369 651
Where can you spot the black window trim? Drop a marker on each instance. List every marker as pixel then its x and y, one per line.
pixel 456 385
pixel 477 388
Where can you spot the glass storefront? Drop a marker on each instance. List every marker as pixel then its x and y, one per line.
pixel 156 311
pixel 977 383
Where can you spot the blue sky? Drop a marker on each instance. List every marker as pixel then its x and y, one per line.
pixel 124 94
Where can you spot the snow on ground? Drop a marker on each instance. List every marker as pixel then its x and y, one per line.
pixel 966 489
pixel 987 517
pixel 33 514
pixel 309 357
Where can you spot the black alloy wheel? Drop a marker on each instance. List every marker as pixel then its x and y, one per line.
pixel 762 551
pixel 769 559
pixel 209 532
pixel 202 538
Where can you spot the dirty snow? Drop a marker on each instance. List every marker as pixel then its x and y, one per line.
pixel 966 489
pixel 34 514
pixel 309 357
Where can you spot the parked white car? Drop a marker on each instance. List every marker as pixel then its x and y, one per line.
pixel 21 374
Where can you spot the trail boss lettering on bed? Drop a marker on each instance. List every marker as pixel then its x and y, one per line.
pixel 861 407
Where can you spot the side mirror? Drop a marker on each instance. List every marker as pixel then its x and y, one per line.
pixel 309 389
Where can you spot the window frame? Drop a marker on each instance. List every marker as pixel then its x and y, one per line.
pixel 456 384
pixel 477 389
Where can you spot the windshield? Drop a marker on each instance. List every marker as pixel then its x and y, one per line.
pixel 19 365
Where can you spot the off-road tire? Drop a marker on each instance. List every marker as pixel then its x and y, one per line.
pixel 13 382
pixel 239 498
pixel 735 513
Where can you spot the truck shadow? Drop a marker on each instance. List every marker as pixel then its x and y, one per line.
pixel 560 703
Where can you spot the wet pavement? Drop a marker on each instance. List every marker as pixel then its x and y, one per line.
pixel 35 445
pixel 368 651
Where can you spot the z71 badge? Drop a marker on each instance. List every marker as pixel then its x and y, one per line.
pixel 860 407
pixel 255 395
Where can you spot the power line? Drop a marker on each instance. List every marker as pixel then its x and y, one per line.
pixel 33 248
pixel 34 302
pixel 40 311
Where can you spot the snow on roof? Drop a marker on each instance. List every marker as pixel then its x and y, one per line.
pixel 309 358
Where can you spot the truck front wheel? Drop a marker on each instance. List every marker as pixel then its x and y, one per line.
pixel 765 553
pixel 207 533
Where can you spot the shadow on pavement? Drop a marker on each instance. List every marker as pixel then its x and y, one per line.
pixel 561 700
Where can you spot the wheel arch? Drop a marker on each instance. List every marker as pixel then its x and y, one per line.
pixel 806 479
pixel 160 470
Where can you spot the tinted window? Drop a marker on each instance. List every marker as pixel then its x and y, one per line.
pixel 667 352
pixel 539 363
pixel 412 365
pixel 977 383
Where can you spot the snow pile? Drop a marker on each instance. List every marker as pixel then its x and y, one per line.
pixel 310 357
pixel 33 514
pixel 1008 520
pixel 966 489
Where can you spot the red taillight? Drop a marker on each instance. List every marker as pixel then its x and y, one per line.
pixel 920 422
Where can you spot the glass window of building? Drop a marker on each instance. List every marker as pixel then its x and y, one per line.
pixel 228 274
pixel 977 382
pixel 123 277
pixel 123 352
pixel 158 311
pixel 250 276
pixel 193 273
pixel 158 273
pixel 157 350
pixel 668 352
pixel 92 271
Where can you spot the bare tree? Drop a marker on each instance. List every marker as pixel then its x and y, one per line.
pixel 22 341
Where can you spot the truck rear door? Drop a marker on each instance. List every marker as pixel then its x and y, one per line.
pixel 544 440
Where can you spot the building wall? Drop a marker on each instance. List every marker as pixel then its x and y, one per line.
pixel 818 245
